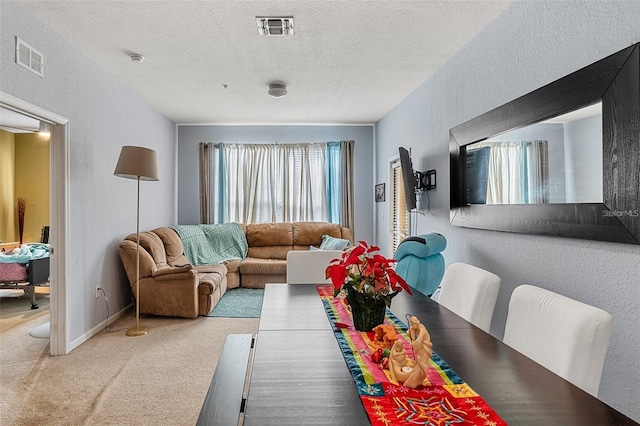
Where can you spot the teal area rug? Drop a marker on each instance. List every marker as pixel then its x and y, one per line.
pixel 239 303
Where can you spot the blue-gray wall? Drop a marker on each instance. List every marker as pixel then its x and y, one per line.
pixel 529 45
pixel 583 166
pixel 190 136
pixel 103 115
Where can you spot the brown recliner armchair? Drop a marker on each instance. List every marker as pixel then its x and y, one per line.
pixel 169 285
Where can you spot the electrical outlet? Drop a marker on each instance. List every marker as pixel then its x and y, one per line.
pixel 98 289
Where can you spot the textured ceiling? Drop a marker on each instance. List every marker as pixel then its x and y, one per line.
pixel 348 62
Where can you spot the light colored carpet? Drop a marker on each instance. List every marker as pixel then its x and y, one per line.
pixel 158 379
pixel 15 307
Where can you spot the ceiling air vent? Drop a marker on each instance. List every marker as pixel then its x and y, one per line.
pixel 275 25
pixel 29 57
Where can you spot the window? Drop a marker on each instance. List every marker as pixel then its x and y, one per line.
pixel 400 218
pixel 508 172
pixel 275 183
pixel 257 183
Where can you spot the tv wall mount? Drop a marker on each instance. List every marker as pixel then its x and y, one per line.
pixel 425 181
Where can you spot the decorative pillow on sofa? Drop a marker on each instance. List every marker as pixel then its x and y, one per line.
pixel 332 243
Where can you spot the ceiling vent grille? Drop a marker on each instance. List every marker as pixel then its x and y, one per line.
pixel 275 25
pixel 29 57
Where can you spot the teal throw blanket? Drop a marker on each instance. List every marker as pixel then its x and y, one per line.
pixel 213 244
pixel 25 253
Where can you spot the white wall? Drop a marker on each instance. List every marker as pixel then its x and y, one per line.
pixel 104 115
pixel 529 45
pixel 584 166
pixel 190 136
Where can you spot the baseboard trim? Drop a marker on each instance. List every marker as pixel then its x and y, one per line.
pixel 98 328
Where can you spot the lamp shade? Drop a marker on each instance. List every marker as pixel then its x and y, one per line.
pixel 137 162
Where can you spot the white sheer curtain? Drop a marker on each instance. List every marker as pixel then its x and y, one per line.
pixel 275 183
pixel 518 172
pixel 504 179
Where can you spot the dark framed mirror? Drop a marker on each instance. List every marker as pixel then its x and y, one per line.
pixel 552 196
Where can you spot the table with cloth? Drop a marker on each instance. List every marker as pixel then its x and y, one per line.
pixel 443 399
pixel 307 370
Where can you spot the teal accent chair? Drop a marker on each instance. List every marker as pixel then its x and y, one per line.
pixel 420 262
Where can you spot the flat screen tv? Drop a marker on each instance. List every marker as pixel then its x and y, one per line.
pixel 408 179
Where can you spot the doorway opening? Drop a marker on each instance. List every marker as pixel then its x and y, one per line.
pixel 58 216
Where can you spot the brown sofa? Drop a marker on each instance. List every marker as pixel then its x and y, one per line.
pixel 269 244
pixel 170 286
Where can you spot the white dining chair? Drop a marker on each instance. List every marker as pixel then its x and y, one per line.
pixel 470 292
pixel 308 266
pixel 563 335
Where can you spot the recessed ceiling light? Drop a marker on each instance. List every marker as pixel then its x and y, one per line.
pixel 277 90
pixel 136 58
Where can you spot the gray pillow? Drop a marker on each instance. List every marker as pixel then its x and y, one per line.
pixel 332 243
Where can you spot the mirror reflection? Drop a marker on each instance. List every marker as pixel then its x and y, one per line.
pixel 554 161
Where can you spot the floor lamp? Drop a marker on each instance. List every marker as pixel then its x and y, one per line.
pixel 138 163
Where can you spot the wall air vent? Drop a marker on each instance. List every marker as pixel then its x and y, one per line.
pixel 275 25
pixel 29 57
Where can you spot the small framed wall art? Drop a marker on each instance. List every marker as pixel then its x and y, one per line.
pixel 379 192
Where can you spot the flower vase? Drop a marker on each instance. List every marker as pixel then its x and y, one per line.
pixel 367 312
pixel 22 206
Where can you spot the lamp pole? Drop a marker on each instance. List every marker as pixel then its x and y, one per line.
pixel 137 331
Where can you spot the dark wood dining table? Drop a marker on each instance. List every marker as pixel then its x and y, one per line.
pixel 299 376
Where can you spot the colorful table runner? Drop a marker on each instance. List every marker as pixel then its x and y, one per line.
pixel 446 400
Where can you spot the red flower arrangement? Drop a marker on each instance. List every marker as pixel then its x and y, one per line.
pixel 363 270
